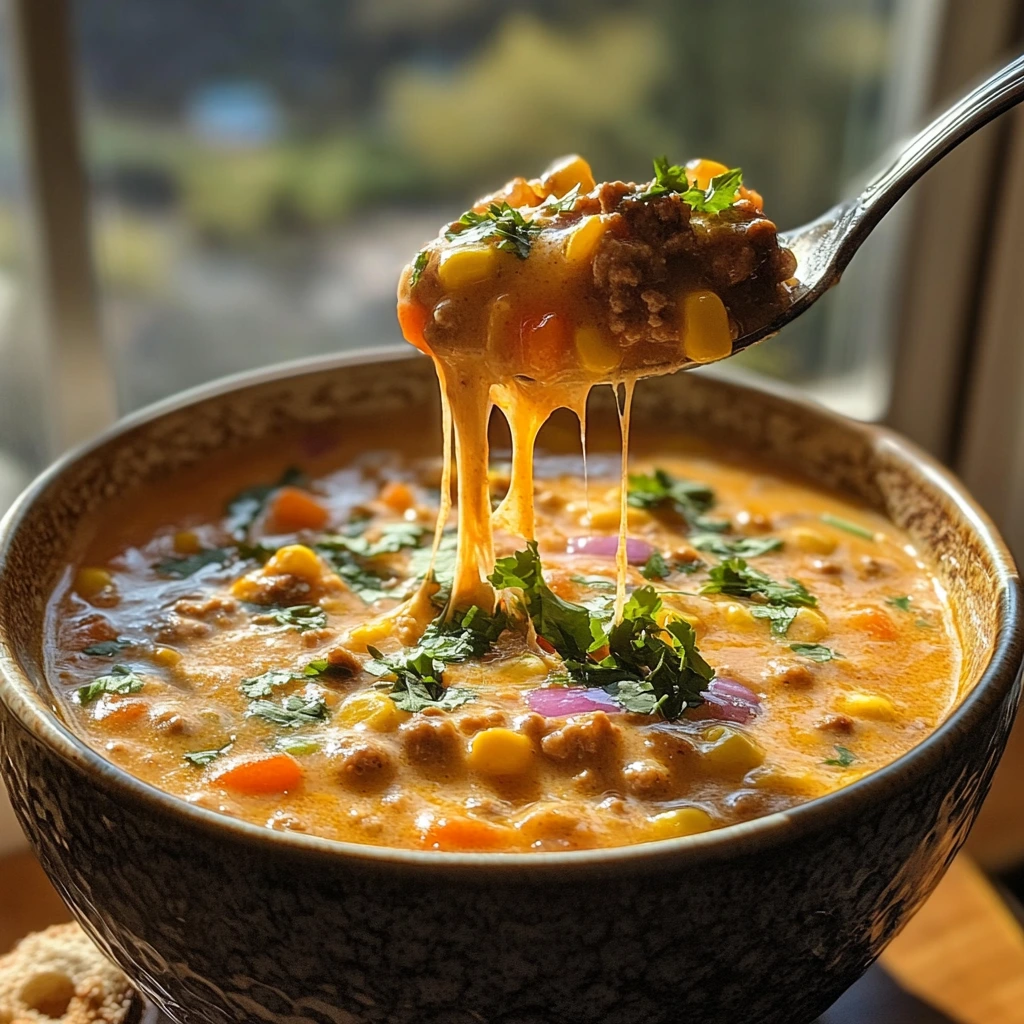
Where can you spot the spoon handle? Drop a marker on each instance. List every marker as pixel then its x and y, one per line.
pixel 982 104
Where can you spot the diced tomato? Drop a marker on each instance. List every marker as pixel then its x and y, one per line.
pixel 119 713
pixel 292 509
pixel 259 776
pixel 544 343
pixel 412 318
pixel 454 834
pixel 874 622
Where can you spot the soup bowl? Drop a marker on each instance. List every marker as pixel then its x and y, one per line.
pixel 217 920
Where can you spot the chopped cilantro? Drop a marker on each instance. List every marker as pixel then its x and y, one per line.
pixel 737 547
pixel 780 618
pixel 246 507
pixel 843 759
pixel 393 537
pixel 780 601
pixel 201 758
pixel 903 603
pixel 109 648
pixel 563 205
pixel 513 232
pixel 721 193
pixel 844 524
pixel 816 652
pixel 181 568
pixel 662 490
pixel 594 582
pixel 264 684
pixel 121 680
pixel 418 266
pixel 655 568
pixel 292 712
pixel 301 617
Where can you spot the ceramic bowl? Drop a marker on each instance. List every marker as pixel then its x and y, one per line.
pixel 769 921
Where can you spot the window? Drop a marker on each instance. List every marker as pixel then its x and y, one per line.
pixel 260 178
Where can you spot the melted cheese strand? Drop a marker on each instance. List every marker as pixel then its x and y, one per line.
pixel 444 508
pixel 621 555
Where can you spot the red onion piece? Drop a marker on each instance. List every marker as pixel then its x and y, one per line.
pixel 557 701
pixel 729 701
pixel 637 551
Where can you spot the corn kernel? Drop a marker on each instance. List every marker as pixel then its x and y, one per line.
pixel 248 587
pixel 809 626
pixel 704 327
pixel 683 821
pixel 582 242
pixel 565 173
pixel 806 538
pixel 738 617
pixel 186 542
pixel 701 171
pixel 598 354
pixel 527 668
pixel 371 632
pixel 376 711
pixel 730 751
pixel 869 706
pixel 166 656
pixel 90 582
pixel 608 518
pixel 469 265
pixel 804 785
pixel 500 752
pixel 295 560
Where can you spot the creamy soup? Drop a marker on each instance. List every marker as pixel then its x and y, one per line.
pixel 528 657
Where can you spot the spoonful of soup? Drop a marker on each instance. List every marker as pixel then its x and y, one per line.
pixel 561 278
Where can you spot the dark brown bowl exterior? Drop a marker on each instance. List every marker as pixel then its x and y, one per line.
pixel 218 921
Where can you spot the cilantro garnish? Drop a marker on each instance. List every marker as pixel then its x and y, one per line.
pixel 594 582
pixel 721 193
pixel 301 617
pixel 738 547
pixel 780 601
pixel 660 490
pixel 109 648
pixel 264 684
pixel 245 507
pixel 903 603
pixel 844 524
pixel 346 555
pixel 816 652
pixel 563 205
pixel 513 232
pixel 201 758
pixel 181 568
pixel 121 680
pixel 292 712
pixel 418 266
pixel 843 759
pixel 655 568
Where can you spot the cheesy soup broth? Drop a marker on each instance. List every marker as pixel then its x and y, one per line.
pixel 252 648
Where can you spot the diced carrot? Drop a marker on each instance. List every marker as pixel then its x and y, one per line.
pixel 276 774
pixel 119 713
pixel 397 496
pixel 544 343
pixel 412 318
pixel 293 509
pixel 753 197
pixel 874 622
pixel 454 834
pixel 701 171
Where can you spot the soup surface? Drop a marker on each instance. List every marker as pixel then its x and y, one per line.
pixel 271 641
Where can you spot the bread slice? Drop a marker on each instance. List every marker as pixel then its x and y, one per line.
pixel 59 975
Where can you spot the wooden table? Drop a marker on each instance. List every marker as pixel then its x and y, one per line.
pixel 960 961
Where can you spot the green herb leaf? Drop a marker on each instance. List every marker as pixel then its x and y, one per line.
pixel 843 759
pixel 418 266
pixel 734 577
pixel 816 652
pixel 662 490
pixel 121 680
pixel 264 684
pixel 737 547
pixel 779 618
pixel 564 625
pixel 595 583
pixel 245 507
pixel 563 205
pixel 301 617
pixel 109 648
pixel 291 713
pixel 202 758
pixel 903 603
pixel 393 538
pixel 181 568
pixel 502 222
pixel 655 568
pixel 721 193
pixel 845 524
pixel 419 681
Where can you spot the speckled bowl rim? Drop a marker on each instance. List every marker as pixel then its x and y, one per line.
pixel 742 839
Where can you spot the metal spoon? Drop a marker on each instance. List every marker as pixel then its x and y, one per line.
pixel 824 247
